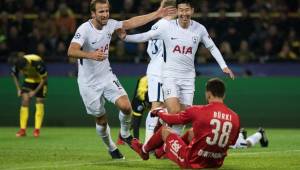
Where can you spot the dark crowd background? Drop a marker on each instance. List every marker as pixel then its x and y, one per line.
pixel 244 30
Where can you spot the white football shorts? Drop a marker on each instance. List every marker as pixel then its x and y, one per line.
pixel 183 89
pixel 94 96
pixel 155 93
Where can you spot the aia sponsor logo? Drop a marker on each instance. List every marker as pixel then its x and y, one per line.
pixel 183 49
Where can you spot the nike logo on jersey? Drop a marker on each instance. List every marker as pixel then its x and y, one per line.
pixel 94 42
pixel 174 38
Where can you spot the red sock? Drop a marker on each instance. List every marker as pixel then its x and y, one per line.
pixel 155 141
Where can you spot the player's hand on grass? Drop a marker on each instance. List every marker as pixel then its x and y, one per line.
pixel 228 71
pixel 97 55
pixel 155 112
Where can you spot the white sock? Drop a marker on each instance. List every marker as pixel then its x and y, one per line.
pixel 178 128
pixel 151 123
pixel 104 133
pixel 240 142
pixel 254 139
pixel 125 124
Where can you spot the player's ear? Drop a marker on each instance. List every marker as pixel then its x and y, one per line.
pixel 93 14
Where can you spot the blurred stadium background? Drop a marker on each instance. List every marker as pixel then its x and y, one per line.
pixel 259 40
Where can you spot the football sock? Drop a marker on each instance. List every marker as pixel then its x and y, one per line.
pixel 125 124
pixel 39 115
pixel 185 137
pixel 254 139
pixel 240 142
pixel 136 123
pixel 24 113
pixel 104 133
pixel 154 142
pixel 151 123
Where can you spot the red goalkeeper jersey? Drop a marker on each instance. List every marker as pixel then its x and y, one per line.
pixel 215 127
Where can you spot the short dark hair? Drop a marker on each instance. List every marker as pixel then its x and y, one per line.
pixel 94 2
pixel 216 86
pixel 189 2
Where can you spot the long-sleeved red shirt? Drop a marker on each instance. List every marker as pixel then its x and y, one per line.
pixel 215 127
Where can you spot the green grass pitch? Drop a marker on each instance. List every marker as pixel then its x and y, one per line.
pixel 82 149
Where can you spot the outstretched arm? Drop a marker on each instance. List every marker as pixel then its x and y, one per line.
pixel 144 19
pixel 210 45
pixel 137 38
pixel 218 56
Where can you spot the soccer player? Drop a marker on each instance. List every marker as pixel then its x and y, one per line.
pixel 246 142
pixel 181 38
pixel 34 71
pixel 95 78
pixel 140 103
pixel 214 128
pixel 155 51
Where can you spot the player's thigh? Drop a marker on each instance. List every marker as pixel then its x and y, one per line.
pixel 170 88
pixel 113 90
pixel 176 150
pixel 93 99
pixel 155 92
pixel 187 90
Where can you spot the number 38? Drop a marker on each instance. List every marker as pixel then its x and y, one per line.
pixel 220 139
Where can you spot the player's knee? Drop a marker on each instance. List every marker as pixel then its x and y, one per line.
pixel 126 109
pixel 25 101
pixel 102 121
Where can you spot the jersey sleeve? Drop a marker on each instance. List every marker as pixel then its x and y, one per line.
pixel 210 45
pixel 182 117
pixel 80 35
pixel 156 32
pixel 116 24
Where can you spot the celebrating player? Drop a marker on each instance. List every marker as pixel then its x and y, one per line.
pixel 214 128
pixel 181 38
pixel 34 85
pixel 95 78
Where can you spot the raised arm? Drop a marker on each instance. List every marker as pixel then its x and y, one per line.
pixel 144 19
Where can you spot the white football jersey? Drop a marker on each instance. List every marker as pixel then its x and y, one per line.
pixel 180 46
pixel 92 39
pixel 155 52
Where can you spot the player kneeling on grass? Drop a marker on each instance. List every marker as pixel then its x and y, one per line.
pixel 214 128
pixel 35 85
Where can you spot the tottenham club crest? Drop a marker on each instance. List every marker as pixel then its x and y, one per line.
pixel 195 39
